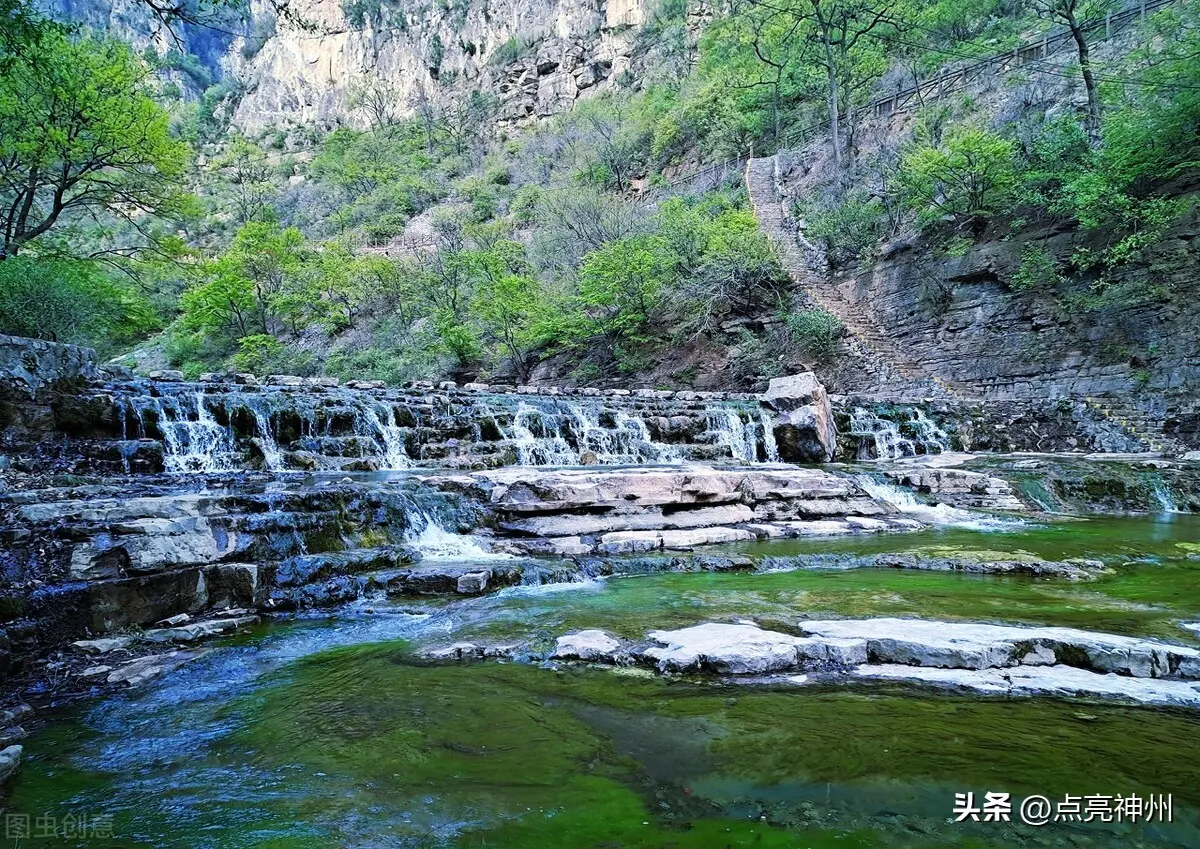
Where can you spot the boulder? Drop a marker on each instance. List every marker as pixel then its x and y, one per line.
pixel 591 644
pixel 746 649
pixel 10 759
pixel 804 428
pixel 472 583
pixel 166 375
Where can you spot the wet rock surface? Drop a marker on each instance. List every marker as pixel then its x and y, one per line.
pixel 987 658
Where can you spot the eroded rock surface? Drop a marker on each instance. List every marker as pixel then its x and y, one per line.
pixel 988 658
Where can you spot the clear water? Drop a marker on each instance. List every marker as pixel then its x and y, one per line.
pixel 331 731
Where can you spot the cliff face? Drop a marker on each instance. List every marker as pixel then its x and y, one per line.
pixel 960 318
pixel 536 56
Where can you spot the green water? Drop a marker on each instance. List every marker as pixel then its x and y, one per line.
pixel 333 732
pixel 1152 588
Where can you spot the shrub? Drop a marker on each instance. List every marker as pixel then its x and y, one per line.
pixel 968 178
pixel 1038 269
pixel 850 229
pixel 70 301
pixel 815 331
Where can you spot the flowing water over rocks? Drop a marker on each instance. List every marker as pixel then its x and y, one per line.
pixel 470 615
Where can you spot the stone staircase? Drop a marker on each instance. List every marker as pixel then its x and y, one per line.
pixel 883 362
pixel 1138 425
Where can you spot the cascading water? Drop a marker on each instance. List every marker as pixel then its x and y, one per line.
pixel 736 434
pixel 770 448
pixel 743 432
pixel 428 536
pixel 272 456
pixel 198 444
pixel 1162 495
pixel 905 501
pixel 882 439
pixel 565 433
pixel 387 435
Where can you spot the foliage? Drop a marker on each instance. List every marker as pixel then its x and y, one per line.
pixel 70 301
pixel 1038 269
pixel 814 331
pixel 967 178
pixel 81 135
pixel 850 228
pixel 362 13
pixel 620 291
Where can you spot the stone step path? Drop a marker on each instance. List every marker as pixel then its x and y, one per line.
pixel 1137 424
pixel 884 362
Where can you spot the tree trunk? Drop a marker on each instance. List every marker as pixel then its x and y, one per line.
pixel 834 118
pixel 1089 81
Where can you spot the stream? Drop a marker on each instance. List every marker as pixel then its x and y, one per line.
pixel 336 729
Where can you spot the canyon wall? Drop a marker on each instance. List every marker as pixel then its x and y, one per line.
pixel 536 57
pixel 961 319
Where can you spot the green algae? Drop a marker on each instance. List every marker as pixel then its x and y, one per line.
pixel 368 745
pixel 584 757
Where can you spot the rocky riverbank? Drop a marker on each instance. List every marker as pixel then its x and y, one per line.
pixel 992 659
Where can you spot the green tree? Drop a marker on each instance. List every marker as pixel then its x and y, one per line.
pixel 80 135
pixel 1074 14
pixel 243 167
pixel 70 301
pixel 620 290
pixel 968 178
pixel 260 286
pixel 509 304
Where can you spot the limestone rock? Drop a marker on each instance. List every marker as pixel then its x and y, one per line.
pixel 804 427
pixel 746 650
pixel 1058 681
pixel 141 670
pixel 591 644
pixel 104 645
pixel 472 583
pixel 970 645
pixel 198 630
pixel 10 759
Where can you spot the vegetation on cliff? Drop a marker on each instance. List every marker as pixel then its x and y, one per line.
pixel 438 239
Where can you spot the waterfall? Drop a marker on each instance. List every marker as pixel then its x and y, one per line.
pixel 739 432
pixel 390 435
pixel 768 428
pixel 882 439
pixel 905 501
pixel 1166 502
pixel 428 536
pixel 931 437
pixel 272 456
pixel 729 429
pixel 534 450
pixel 565 433
pixel 192 445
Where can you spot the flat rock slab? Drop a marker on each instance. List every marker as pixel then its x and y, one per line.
pixel 996 659
pixel 591 644
pixel 1071 570
pixel 198 630
pixel 969 645
pixel 743 649
pixel 1059 681
pixel 139 671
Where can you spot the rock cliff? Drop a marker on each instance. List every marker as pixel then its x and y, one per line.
pixel 536 57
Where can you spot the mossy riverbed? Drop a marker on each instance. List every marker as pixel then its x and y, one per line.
pixel 334 732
